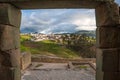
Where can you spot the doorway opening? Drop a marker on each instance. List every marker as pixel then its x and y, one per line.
pixel 59 36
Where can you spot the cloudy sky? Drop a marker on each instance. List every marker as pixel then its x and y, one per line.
pixel 58 20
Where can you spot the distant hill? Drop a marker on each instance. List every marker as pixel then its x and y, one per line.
pixel 91 33
pixel 88 33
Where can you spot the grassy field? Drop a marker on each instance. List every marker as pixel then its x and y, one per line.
pixel 46 47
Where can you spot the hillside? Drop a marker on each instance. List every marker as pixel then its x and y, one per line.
pixel 46 47
pixel 88 33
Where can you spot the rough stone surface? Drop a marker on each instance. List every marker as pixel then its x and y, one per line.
pixel 5 66
pixel 48 66
pixel 15 61
pixel 107 14
pixel 107 60
pixel 10 15
pixel 107 75
pixel 15 57
pixel 9 37
pixel 10 65
pixel 119 59
pixel 99 75
pixel 28 4
pixel 108 37
pixel 25 60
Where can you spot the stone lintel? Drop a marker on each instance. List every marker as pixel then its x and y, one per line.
pixel 9 37
pixel 107 60
pixel 46 0
pixel 107 14
pixel 108 37
pixel 37 4
pixel 9 15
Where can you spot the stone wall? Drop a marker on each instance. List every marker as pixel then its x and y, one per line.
pixel 25 60
pixel 9 42
pixel 61 60
pixel 108 41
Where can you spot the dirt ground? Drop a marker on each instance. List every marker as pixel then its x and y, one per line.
pixel 57 71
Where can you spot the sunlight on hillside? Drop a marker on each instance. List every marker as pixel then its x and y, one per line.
pixel 46 47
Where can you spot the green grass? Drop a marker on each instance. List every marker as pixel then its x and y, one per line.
pixel 82 67
pixel 46 47
pixel 24 38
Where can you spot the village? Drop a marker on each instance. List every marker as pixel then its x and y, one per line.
pixel 40 36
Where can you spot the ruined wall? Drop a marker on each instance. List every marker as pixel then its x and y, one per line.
pixel 25 60
pixel 108 41
pixel 10 18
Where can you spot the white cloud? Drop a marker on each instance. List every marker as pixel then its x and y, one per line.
pixel 61 20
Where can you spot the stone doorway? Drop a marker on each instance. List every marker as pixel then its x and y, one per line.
pixel 108 35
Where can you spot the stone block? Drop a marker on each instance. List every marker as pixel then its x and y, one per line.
pixel 107 60
pixel 25 60
pixel 15 57
pixel 9 37
pixel 10 65
pixel 99 59
pixel 108 37
pixel 111 75
pixel 107 75
pixel 45 4
pixel 119 58
pixel 10 15
pixel 16 34
pixel 16 64
pixel 99 75
pixel 107 14
pixel 6 73
pixel 119 76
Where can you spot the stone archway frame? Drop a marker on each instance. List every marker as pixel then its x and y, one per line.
pixel 108 34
